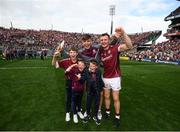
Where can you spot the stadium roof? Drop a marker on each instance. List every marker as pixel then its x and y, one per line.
pixel 173 15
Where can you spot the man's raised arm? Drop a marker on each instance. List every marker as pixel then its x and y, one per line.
pixel 119 32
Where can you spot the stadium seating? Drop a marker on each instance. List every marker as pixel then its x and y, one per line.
pixel 18 40
pixel 29 43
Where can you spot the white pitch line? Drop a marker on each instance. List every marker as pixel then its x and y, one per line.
pixel 19 68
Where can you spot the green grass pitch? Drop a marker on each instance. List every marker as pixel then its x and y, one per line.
pixel 32 97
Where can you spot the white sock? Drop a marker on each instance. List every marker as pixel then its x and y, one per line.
pixel 117 116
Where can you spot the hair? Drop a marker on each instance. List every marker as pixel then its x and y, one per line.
pixel 81 61
pixel 73 49
pixel 94 61
pixel 86 37
pixel 105 34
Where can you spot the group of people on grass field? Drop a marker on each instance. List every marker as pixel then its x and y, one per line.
pixel 83 74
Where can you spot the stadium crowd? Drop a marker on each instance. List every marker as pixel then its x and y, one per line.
pixel 164 51
pixel 141 38
pixel 18 43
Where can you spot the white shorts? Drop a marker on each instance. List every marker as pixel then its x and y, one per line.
pixel 112 83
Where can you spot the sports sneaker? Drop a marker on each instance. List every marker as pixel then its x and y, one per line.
pixel 85 120
pixel 67 117
pixel 106 115
pixel 80 115
pixel 85 114
pixel 99 115
pixel 116 122
pixel 94 118
pixel 97 121
pixel 75 118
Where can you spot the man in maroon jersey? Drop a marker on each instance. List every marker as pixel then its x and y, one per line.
pixel 65 63
pixel 109 55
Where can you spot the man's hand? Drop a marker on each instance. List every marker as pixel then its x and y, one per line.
pixel 119 31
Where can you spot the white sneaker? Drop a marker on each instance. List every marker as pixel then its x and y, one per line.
pixel 85 114
pixel 67 116
pixel 75 118
pixel 80 115
pixel 99 115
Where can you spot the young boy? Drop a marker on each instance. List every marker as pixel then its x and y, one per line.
pixel 88 51
pixel 65 63
pixel 74 72
pixel 95 86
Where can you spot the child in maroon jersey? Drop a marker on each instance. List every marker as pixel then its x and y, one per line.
pixel 64 64
pixel 75 72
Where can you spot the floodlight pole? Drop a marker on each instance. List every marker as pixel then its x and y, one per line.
pixel 111 13
pixel 11 24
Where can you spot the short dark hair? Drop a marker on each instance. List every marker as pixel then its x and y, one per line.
pixel 73 49
pixel 105 34
pixel 81 60
pixel 94 61
pixel 86 37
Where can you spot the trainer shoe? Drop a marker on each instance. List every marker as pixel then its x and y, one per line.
pixel 116 122
pixel 94 118
pixel 67 117
pixel 97 121
pixel 80 115
pixel 99 115
pixel 75 118
pixel 85 120
pixel 106 115
pixel 85 114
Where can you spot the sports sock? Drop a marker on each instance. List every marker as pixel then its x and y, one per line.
pixel 108 111
pixel 117 116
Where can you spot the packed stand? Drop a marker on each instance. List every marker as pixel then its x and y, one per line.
pixel 18 43
pixel 165 51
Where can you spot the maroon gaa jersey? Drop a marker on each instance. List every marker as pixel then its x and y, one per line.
pixel 110 60
pixel 91 52
pixel 65 63
pixel 76 84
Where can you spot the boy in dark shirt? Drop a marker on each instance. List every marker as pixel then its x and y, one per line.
pixel 95 85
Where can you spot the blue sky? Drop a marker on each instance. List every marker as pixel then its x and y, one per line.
pixel 91 16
